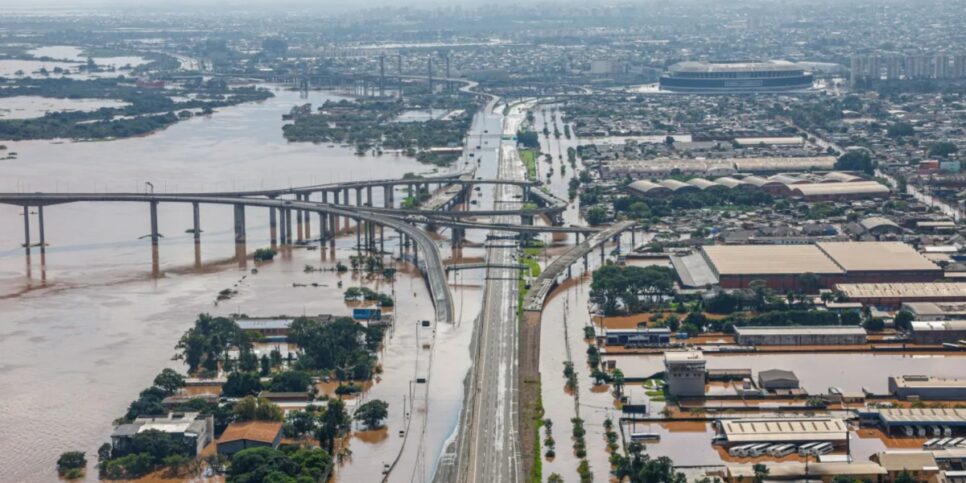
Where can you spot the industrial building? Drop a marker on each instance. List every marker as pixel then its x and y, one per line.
pixel 832 186
pixel 781 266
pixel 640 337
pixel 777 379
pixel 735 77
pixel 896 294
pixel 938 331
pixel 916 421
pixel 800 335
pixel 192 430
pixel 928 388
pixel 936 310
pixel 783 430
pixel 685 373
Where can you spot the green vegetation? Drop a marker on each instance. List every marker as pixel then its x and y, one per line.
pixel 71 464
pixel 653 209
pixel 529 158
pixel 370 124
pixel 343 347
pixel 148 450
pixel 528 139
pixel 630 289
pixel 637 467
pixel 364 293
pixel 147 110
pixel 570 375
pixel 257 409
pixel 207 343
pixel 856 160
pixel 372 413
pixel 287 464
pixel 942 149
pixel 536 473
pixel 264 254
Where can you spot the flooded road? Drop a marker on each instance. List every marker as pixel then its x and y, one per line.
pixel 86 326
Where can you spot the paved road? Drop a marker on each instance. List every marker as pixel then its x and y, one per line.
pixel 492 449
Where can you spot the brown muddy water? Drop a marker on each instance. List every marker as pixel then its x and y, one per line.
pixel 86 326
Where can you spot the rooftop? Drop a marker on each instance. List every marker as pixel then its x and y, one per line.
pixel 921 415
pixel 783 429
pixel 683 356
pixel 804 330
pixel 264 431
pixel 769 259
pixel 770 66
pixel 909 290
pixel 936 325
pixel 875 256
pixel 928 381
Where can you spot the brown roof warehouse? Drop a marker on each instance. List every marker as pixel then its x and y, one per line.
pixel 781 266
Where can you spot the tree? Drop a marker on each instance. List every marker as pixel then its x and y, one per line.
pixel 596 215
pixel 617 379
pixel 266 464
pixel 241 384
pixel 555 478
pixel 257 409
pixel 856 160
pixel 905 477
pixel 761 471
pixel 266 365
pixel 205 344
pixel 372 413
pixel 874 324
pixel 722 303
pixel 334 422
pixel 942 149
pixel 169 380
pixel 900 129
pixel 851 318
pixel 903 320
pixel 71 464
pixel 300 423
pixel 291 381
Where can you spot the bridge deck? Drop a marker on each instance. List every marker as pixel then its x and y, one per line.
pixel 541 287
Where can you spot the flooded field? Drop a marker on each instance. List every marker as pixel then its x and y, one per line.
pixel 67 58
pixel 87 325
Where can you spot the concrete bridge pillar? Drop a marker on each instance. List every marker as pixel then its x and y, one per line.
pixel 322 228
pixel 288 226
pixel 617 238
pixel 196 219
pixel 382 239
pixel 239 224
pixel 273 226
pixel 325 196
pixel 369 196
pixel 345 201
pixel 299 215
pixel 308 219
pixel 359 200
pixel 40 226
pixel 415 254
pixel 602 253
pixel 335 196
pixel 26 228
pixel 154 223
pixel 387 196
pixel 358 236
pixel 633 239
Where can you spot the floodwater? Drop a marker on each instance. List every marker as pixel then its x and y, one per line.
pixel 26 107
pixel 87 324
pixel 67 58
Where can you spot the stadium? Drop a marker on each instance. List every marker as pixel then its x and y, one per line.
pixel 736 77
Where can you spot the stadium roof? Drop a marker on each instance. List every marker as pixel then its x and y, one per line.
pixel 645 186
pixel 875 256
pixel 767 66
pixel 769 259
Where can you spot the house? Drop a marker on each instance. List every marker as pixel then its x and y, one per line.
pixel 249 434
pixel 192 429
